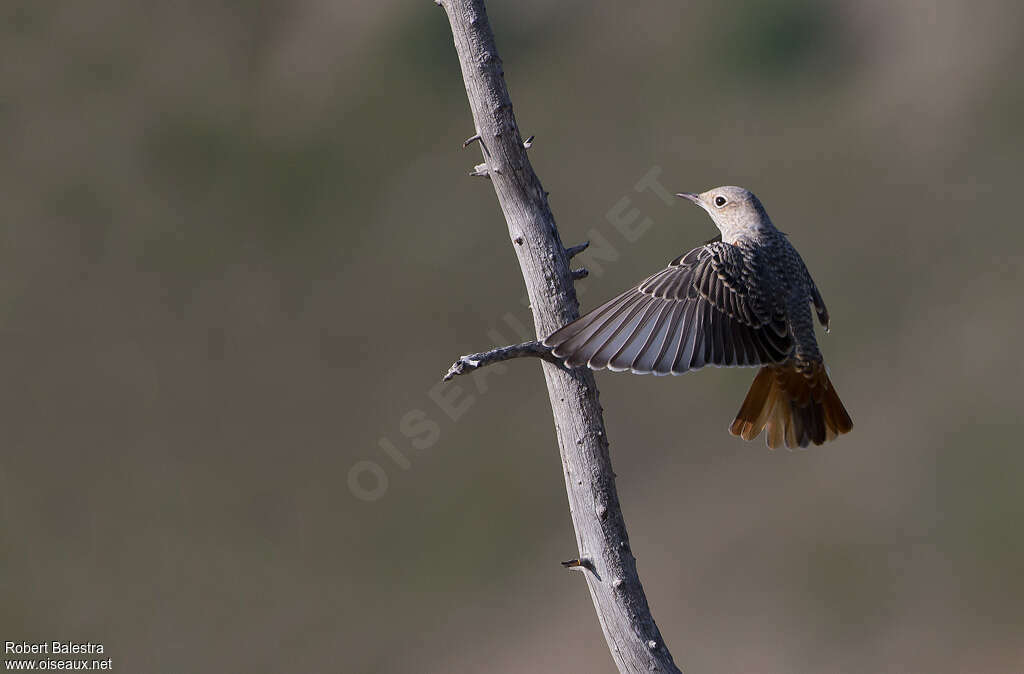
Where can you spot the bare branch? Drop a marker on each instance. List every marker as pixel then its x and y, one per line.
pixel 475 361
pixel 633 638
pixel 582 272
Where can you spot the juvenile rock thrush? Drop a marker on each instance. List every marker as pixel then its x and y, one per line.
pixel 742 299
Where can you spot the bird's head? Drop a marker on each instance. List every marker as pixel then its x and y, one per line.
pixel 736 211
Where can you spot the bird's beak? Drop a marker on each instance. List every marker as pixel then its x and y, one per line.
pixel 692 197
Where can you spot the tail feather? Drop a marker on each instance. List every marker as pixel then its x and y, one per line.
pixel 755 409
pixel 776 427
pixel 793 406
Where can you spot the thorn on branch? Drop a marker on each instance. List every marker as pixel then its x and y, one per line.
pixel 582 563
pixel 473 139
pixel 528 142
pixel 576 250
pixel 577 274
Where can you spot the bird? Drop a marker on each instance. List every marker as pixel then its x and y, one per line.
pixel 742 299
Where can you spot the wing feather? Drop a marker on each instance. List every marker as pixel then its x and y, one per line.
pixel 611 339
pixel 644 362
pixel 571 337
pixel 632 344
pixel 663 364
pixel 688 334
pixel 700 336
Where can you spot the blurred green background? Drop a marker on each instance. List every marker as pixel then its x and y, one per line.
pixel 239 247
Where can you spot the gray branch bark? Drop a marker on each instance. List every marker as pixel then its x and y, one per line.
pixel 475 361
pixel 605 557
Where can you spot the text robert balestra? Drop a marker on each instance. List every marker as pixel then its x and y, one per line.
pixel 54 647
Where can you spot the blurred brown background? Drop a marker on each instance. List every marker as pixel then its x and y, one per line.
pixel 239 247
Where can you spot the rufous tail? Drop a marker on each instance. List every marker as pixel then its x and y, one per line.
pixel 793 406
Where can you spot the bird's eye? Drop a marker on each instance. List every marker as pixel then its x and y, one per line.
pixel 719 201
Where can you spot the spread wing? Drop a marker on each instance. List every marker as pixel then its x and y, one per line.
pixel 700 310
